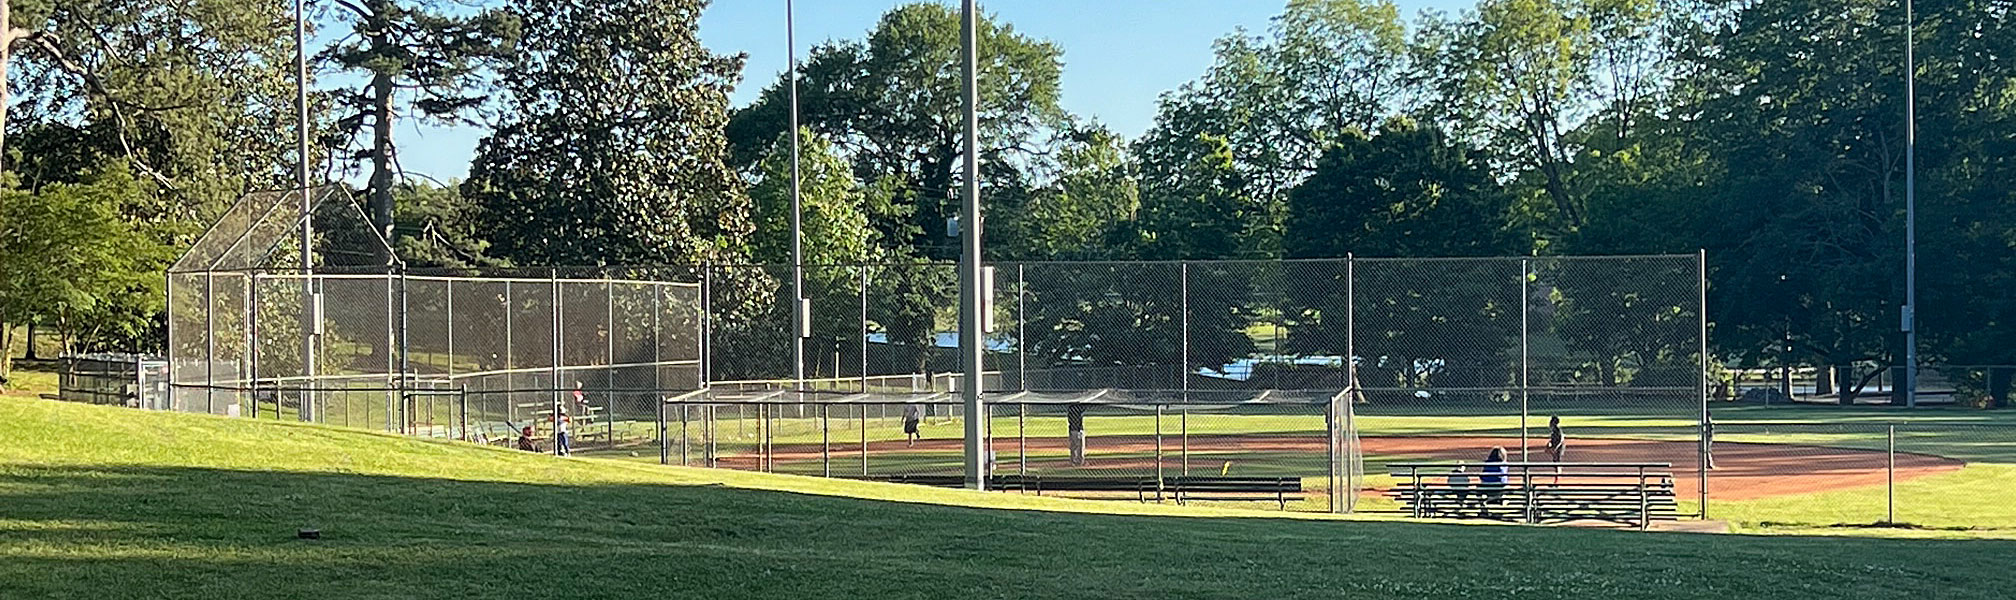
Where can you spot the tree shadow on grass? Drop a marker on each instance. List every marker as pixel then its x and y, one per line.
pixel 113 532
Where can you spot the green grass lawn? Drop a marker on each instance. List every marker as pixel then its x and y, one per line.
pixel 100 502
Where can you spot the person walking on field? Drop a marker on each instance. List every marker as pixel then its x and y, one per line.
pixel 1708 439
pixel 562 442
pixel 1074 422
pixel 911 418
pixel 1557 445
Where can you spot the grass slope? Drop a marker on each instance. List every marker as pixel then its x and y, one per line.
pixel 108 503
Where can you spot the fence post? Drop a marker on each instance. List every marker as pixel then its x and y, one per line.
pixel 864 367
pixel 1022 330
pixel 394 388
pixel 1701 284
pixel 1890 476
pixel 864 433
pixel 553 368
pixel 685 437
pixel 252 344
pixel 664 442
pixel 210 342
pixel 1335 471
pixel 510 390
pixel 1021 432
pixel 609 357
pixel 1158 453
pixel 1525 360
pixel 825 441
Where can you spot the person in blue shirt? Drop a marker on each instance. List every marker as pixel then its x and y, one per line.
pixel 1491 483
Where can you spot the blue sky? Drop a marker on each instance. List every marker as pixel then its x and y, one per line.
pixel 1119 55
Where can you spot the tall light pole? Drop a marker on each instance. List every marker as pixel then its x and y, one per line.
pixel 971 338
pixel 800 308
pixel 1910 316
pixel 310 317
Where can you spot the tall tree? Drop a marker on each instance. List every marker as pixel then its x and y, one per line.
pixel 612 150
pixel 1080 212
pixel 1326 68
pixel 892 103
pixel 69 255
pixel 1526 75
pixel 415 49
pixel 1409 191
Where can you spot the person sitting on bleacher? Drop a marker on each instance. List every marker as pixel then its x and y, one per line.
pixel 525 440
pixel 1459 486
pixel 1491 485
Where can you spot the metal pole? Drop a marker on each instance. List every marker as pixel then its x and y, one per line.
pixel 1525 358
pixel 609 359
pixel 864 362
pixel 1021 332
pixel 1021 437
pixel 1351 328
pixel 825 441
pixel 1701 283
pixel 394 392
pixel 307 208
pixel 1183 374
pixel 664 443
pixel 210 343
pixel 864 438
pixel 553 367
pixel 1336 474
pixel 1910 378
pixel 798 300
pixel 685 436
pixel 1158 453
pixel 252 344
pixel 510 403
pixel 1890 476
pixel 970 302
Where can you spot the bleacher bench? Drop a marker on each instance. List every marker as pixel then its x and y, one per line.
pixel 1633 494
pixel 1180 488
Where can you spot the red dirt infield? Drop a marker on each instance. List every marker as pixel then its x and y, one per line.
pixel 1744 471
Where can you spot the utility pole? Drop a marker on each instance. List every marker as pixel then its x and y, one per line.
pixel 971 338
pixel 1910 317
pixel 310 309
pixel 800 306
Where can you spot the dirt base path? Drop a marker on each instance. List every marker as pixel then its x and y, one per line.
pixel 1744 471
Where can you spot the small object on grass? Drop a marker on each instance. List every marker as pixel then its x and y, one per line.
pixel 308 534
pixel 1225 469
pixel 633 453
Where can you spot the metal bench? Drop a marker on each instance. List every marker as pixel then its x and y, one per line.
pixel 1633 494
pixel 1181 488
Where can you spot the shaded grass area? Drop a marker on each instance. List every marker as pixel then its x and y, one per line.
pixel 104 503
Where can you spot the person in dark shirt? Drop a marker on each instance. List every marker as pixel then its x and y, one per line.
pixel 911 418
pixel 525 440
pixel 1491 482
pixel 1557 445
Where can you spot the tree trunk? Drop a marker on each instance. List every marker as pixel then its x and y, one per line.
pixel 1823 381
pixel 6 55
pixel 381 158
pixel 1785 381
pixel 1842 374
pixel 30 354
pixel 6 342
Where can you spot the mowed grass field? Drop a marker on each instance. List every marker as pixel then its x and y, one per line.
pixel 100 502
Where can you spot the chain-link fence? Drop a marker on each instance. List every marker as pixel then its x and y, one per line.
pixel 1197 380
